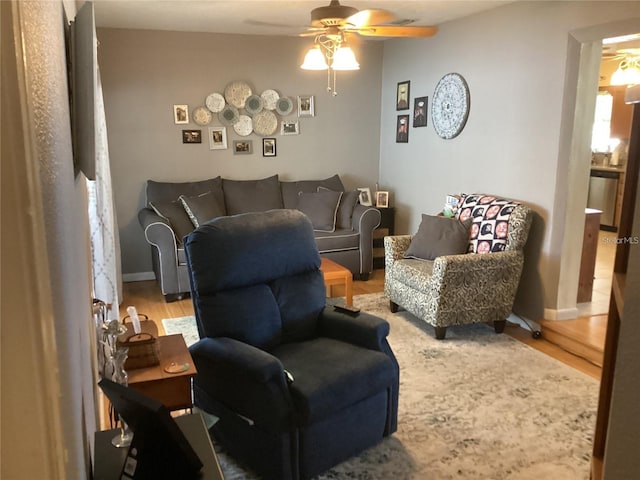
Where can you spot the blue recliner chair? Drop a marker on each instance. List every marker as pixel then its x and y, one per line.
pixel 298 386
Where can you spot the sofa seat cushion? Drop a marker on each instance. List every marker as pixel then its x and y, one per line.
pixel 321 208
pixel 244 196
pixel 337 240
pixel 413 273
pixel 327 380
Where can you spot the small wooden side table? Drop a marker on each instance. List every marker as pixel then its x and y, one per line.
pixel 172 389
pixel 336 274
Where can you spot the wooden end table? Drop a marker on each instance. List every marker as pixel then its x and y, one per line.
pixel 172 389
pixel 336 274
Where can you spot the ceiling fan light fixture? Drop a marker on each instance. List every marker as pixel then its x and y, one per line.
pixel 344 59
pixel 314 60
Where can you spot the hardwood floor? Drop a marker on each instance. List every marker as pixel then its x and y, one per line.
pixel 147 299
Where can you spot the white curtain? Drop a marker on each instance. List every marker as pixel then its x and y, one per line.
pixel 105 245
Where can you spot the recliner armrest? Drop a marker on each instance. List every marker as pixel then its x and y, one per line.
pixel 246 379
pixel 364 330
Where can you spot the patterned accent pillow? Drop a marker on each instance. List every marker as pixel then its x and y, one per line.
pixel 490 217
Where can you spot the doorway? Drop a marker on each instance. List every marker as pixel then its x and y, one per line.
pixel 609 147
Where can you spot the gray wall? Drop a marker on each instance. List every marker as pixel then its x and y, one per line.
pixel 145 72
pixel 516 62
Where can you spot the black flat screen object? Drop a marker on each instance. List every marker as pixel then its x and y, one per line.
pixel 159 450
pixel 347 309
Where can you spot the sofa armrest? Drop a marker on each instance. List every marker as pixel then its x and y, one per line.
pixel 395 246
pixel 245 377
pixel 160 235
pixel 364 221
pixel 364 330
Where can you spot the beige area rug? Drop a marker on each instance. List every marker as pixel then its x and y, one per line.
pixel 477 405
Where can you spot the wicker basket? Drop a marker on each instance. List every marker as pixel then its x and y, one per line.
pixel 143 347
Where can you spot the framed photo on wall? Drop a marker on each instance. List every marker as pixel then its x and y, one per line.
pixel 420 112
pixel 191 136
pixel 402 129
pixel 288 127
pixel 306 106
pixel 217 138
pixel 402 95
pixel 268 147
pixel 242 147
pixel 181 114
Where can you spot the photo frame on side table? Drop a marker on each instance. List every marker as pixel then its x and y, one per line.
pixel 365 196
pixel 180 114
pixel 382 199
pixel 217 138
pixel 268 147
pixel 402 95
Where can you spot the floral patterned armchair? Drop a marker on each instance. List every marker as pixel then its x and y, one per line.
pixel 478 286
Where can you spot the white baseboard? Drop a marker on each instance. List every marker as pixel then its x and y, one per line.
pixel 138 276
pixel 561 314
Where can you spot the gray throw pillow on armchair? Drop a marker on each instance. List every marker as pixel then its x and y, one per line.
pixel 321 208
pixel 439 236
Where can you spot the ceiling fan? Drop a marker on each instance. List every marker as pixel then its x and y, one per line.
pixel 337 20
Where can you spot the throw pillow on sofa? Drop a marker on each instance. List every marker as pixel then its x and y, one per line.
pixel 345 209
pixel 439 236
pixel 201 208
pixel 176 215
pixel 321 208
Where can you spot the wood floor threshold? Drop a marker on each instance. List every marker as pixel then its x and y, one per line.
pixel 583 345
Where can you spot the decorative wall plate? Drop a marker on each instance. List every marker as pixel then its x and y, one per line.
pixel 202 115
pixel 269 98
pixel 284 106
pixel 244 126
pixel 450 106
pixel 253 104
pixel 215 102
pixel 229 115
pixel 237 93
pixel 265 123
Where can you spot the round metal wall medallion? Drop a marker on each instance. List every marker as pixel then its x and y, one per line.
pixel 450 106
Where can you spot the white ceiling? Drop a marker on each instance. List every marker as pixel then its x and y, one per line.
pixel 249 16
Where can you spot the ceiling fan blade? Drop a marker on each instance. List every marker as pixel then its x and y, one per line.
pixel 393 31
pixel 366 18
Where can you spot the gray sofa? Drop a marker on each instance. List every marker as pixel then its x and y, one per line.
pixel 343 228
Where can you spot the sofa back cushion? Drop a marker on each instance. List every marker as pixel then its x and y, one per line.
pixel 256 277
pixel 498 224
pixel 170 191
pixel 243 196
